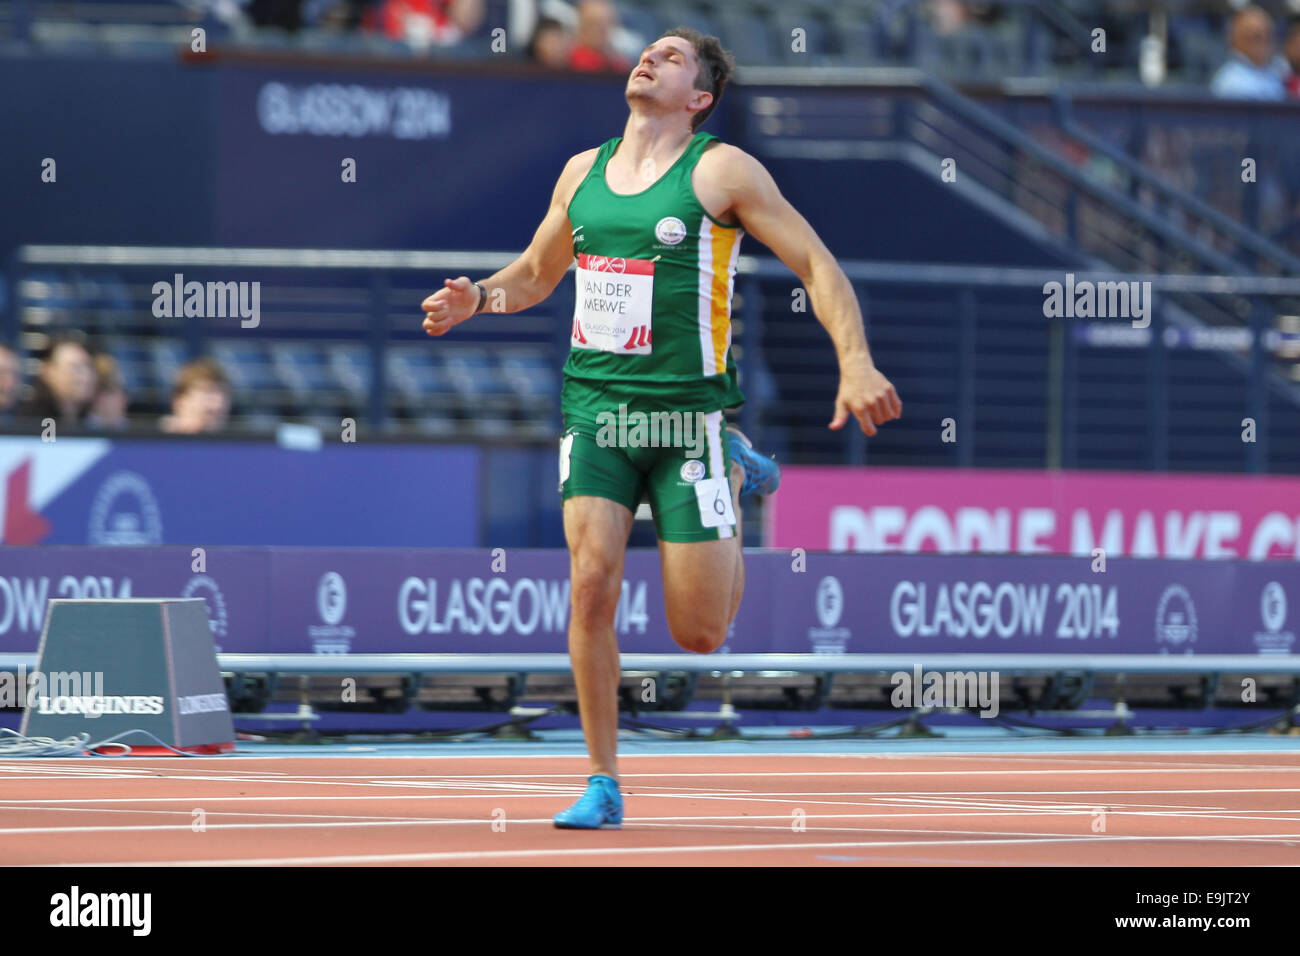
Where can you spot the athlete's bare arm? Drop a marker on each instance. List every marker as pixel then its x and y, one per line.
pixel 530 278
pixel 757 203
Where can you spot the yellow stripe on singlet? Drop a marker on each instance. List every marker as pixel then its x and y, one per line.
pixel 724 244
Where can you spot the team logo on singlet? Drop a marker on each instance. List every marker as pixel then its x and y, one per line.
pixel 670 230
pixel 692 470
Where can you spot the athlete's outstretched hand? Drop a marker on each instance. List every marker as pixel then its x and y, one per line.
pixel 452 304
pixel 866 394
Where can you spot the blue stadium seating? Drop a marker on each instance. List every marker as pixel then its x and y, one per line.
pixel 250 367
pixel 351 368
pixel 306 369
pixel 134 364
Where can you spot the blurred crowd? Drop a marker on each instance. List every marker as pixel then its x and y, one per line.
pixel 80 388
pixel 1261 38
pixel 579 35
pixel 583 41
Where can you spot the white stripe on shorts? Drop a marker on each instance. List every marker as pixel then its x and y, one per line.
pixel 713 436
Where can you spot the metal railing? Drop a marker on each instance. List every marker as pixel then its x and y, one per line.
pixel 973 344
pixel 964 342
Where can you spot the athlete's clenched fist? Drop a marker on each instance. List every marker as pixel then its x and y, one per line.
pixel 455 302
pixel 866 395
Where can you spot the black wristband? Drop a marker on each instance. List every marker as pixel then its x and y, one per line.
pixel 482 298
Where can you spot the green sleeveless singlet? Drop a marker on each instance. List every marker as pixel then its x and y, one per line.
pixel 652 316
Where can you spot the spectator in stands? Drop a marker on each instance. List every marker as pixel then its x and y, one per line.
pixel 427 23
pixel 1291 53
pixel 200 399
pixel 284 14
pixel 593 50
pixel 948 16
pixel 1250 73
pixel 65 386
pixel 340 16
pixel 11 383
pixel 108 410
pixel 550 45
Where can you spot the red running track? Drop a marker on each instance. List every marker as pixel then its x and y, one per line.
pixel 700 809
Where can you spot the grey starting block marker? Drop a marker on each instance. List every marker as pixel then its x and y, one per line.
pixel 159 673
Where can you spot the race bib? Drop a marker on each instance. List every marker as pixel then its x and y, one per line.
pixel 613 303
pixel 713 495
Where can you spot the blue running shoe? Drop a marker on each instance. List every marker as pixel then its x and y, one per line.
pixel 762 475
pixel 600 808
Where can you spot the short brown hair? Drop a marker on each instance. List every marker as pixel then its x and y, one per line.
pixel 109 375
pixel 199 372
pixel 66 337
pixel 716 67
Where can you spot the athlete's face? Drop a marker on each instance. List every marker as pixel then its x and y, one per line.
pixel 665 75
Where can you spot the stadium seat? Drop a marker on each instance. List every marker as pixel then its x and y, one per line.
pixel 473 374
pixel 249 366
pixel 138 12
pixel 528 373
pixel 674 14
pixel 436 426
pixel 134 363
pixel 853 35
pixel 785 19
pixel 747 37
pixel 1198 49
pixel 168 355
pixel 328 424
pixel 417 375
pixel 350 365
pixel 306 371
pixel 47 290
pixel 105 292
pixel 642 22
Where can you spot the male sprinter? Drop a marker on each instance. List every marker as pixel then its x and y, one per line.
pixel 654 218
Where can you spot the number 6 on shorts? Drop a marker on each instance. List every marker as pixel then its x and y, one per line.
pixel 714 497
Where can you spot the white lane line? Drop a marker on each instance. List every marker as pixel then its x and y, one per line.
pixel 345 754
pixel 211 813
pixel 123 765
pixel 544 775
pixel 164 827
pixel 714 774
pixel 679 822
pixel 580 852
pixel 1008 803
pixel 1020 758
pixel 89 772
pixel 786 797
pixel 369 781
pixel 683 824
pixel 1109 772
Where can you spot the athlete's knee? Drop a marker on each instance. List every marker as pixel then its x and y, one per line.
pixel 699 638
pixel 594 587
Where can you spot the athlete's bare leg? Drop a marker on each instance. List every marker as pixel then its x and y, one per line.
pixel 597 530
pixel 704 582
